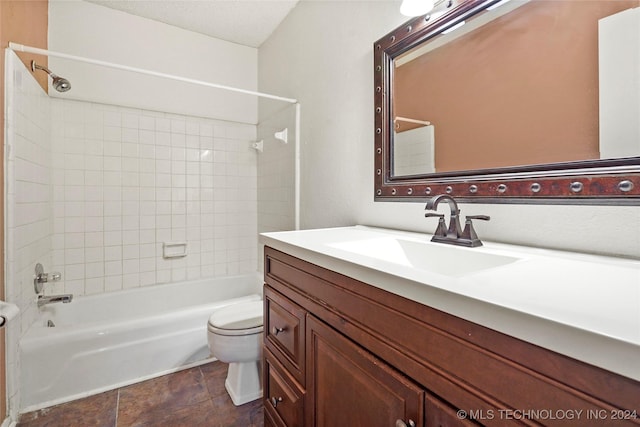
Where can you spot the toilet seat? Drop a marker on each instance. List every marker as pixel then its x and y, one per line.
pixel 237 319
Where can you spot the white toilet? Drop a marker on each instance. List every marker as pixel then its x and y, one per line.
pixel 235 337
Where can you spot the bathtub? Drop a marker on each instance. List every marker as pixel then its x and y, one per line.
pixel 107 341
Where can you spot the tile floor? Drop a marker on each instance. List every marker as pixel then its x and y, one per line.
pixel 194 397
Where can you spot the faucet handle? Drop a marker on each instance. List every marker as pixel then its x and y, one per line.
pixel 41 278
pixel 469 234
pixel 442 228
pixel 48 277
pixel 468 218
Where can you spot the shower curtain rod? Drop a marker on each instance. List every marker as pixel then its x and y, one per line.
pixel 408 120
pixel 29 49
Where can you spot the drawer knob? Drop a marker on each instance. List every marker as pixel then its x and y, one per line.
pixel 275 401
pixel 401 423
pixel 275 330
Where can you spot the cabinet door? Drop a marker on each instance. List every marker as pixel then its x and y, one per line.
pixel 439 414
pixel 347 385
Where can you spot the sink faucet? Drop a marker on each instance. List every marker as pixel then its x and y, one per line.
pixel 453 234
pixel 42 300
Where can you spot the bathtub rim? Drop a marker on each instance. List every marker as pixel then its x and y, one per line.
pixel 140 289
pixel 43 314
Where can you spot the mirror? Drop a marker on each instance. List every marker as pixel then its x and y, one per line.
pixel 519 101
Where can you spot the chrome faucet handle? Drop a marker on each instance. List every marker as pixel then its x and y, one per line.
pixel 442 227
pixel 48 277
pixel 51 277
pixel 469 233
pixel 41 278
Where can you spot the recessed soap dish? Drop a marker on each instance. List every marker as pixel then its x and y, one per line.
pixel 174 249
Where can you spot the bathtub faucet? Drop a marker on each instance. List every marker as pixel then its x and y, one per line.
pixel 42 300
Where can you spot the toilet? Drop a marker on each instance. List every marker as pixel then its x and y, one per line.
pixel 235 337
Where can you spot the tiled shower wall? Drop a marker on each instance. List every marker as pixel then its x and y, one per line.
pixel 125 181
pixel 28 204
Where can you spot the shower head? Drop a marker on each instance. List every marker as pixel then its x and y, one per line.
pixel 59 83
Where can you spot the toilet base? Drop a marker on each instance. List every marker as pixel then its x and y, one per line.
pixel 244 382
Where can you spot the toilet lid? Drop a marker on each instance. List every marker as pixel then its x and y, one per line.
pixel 245 315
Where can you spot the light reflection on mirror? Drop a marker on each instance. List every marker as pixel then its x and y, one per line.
pixel 528 83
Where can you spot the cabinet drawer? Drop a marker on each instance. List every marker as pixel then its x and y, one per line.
pixel 284 332
pixel 283 400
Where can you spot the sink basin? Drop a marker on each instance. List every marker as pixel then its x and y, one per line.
pixel 437 258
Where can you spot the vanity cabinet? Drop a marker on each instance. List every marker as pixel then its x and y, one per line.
pixel 340 375
pixel 338 351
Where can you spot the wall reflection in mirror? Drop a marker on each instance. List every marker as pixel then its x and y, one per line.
pixel 527 83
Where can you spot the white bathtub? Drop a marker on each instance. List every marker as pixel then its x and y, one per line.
pixel 106 341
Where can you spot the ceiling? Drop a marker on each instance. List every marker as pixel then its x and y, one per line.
pixel 247 22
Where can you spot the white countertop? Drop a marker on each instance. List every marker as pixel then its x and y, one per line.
pixel 584 306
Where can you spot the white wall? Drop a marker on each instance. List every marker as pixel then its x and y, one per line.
pixel 322 55
pixel 85 29
pixel 276 173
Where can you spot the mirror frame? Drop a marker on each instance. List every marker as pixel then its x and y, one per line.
pixel 600 182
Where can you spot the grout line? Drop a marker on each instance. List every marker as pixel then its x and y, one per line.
pixel 203 379
pixel 117 407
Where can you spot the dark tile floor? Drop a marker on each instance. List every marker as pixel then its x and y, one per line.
pixel 191 398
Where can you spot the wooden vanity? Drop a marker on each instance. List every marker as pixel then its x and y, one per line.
pixel 340 352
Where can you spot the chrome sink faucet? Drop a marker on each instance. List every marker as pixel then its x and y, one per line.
pixel 65 298
pixel 453 235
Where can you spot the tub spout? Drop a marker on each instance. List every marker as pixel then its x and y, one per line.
pixel 42 300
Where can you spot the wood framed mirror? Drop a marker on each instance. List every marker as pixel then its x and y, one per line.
pixel 521 101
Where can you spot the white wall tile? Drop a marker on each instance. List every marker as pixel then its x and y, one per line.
pixel 147 123
pixel 94 254
pixel 93 239
pixel 122 181
pixel 94 285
